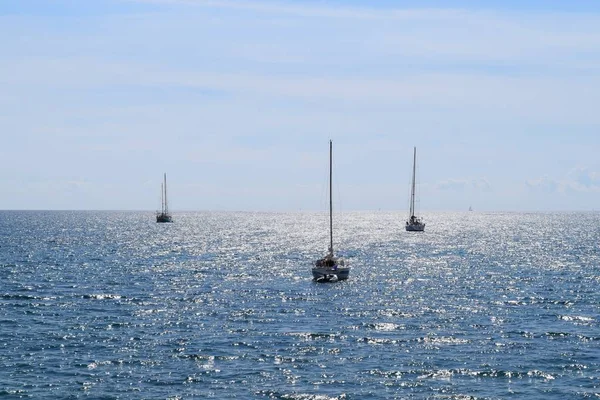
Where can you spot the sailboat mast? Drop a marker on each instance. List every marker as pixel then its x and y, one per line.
pixel 412 190
pixel 165 186
pixel 162 198
pixel 330 197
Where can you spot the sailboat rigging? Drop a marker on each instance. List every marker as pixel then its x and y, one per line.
pixel 330 266
pixel 414 223
pixel 163 215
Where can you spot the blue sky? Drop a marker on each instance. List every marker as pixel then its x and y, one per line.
pixel 236 101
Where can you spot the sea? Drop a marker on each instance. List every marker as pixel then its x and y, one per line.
pixel 222 305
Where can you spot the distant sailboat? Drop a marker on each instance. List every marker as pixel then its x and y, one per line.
pixel 330 266
pixel 470 208
pixel 163 215
pixel 414 223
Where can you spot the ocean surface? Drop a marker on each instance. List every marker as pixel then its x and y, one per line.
pixel 111 305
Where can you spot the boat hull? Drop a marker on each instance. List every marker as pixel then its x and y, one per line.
pixel 415 227
pixel 164 218
pixel 326 274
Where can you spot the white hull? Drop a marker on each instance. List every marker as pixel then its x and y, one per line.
pixel 330 267
pixel 327 274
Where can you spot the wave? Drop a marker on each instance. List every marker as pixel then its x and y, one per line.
pixel 101 296
pixel 576 318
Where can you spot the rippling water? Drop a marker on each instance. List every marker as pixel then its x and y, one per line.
pixel 221 305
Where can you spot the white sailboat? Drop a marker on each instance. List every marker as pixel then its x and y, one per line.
pixel 163 215
pixel 414 223
pixel 330 267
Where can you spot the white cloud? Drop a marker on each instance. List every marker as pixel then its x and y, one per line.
pixel 584 177
pixel 579 179
pixel 544 184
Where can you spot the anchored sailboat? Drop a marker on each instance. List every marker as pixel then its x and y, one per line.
pixel 330 266
pixel 163 215
pixel 414 223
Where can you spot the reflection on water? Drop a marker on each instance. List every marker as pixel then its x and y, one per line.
pixel 222 305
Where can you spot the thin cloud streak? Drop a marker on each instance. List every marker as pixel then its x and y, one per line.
pixel 480 184
pixel 474 34
pixel 363 13
pixel 547 99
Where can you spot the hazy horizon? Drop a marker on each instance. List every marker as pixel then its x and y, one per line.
pixel 324 212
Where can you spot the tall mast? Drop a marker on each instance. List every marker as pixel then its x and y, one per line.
pixel 162 198
pixel 330 198
pixel 412 191
pixel 166 206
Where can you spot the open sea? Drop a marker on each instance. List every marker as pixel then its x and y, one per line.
pixel 112 305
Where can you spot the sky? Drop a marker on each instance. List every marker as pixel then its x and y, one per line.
pixel 237 100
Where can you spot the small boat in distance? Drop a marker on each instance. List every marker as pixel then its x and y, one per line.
pixel 414 223
pixel 470 208
pixel 163 215
pixel 330 267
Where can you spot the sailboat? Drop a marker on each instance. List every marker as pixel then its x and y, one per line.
pixel 163 215
pixel 414 223
pixel 330 267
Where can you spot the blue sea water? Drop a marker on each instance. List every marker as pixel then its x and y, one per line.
pixel 111 305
